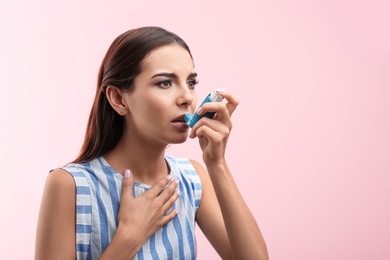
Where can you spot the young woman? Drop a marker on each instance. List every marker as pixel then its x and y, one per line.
pixel 123 197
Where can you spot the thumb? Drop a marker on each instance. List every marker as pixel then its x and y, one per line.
pixel 127 184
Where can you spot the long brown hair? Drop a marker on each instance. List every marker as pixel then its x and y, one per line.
pixel 120 66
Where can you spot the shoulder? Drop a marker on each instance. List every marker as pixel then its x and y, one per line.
pixel 59 196
pixel 55 229
pixel 59 188
pixel 187 164
pixel 60 180
pixel 191 169
pixel 184 162
pixel 196 165
pixel 203 175
pixel 86 170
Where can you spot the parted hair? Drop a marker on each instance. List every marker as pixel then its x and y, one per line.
pixel 120 66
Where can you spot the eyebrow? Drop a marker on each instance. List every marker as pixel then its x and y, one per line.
pixel 173 75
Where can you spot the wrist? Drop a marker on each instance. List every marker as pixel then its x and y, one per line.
pixel 124 245
pixel 216 165
pixel 219 171
pixel 129 237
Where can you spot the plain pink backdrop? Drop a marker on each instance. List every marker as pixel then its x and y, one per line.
pixel 310 148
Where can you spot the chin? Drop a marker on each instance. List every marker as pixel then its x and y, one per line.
pixel 180 140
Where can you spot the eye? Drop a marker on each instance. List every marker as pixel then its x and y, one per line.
pixel 165 84
pixel 191 83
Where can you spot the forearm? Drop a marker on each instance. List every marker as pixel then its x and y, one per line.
pixel 245 238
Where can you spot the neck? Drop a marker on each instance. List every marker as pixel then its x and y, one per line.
pixel 145 161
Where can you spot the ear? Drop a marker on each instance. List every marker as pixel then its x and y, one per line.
pixel 116 99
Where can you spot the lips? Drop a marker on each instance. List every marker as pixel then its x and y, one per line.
pixel 179 123
pixel 179 119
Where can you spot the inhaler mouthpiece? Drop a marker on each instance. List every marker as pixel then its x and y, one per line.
pixel 192 119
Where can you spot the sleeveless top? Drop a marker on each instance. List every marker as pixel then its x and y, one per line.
pixel 98 194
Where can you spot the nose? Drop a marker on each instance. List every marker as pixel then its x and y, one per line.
pixel 186 97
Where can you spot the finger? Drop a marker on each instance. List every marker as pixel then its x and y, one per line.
pixel 170 201
pixel 127 184
pixel 168 217
pixel 168 191
pixel 232 101
pixel 216 107
pixel 217 126
pixel 159 186
pixel 222 113
pixel 211 135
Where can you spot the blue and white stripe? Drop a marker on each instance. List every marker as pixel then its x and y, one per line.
pixel 98 193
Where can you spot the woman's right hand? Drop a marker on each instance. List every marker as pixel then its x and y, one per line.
pixel 147 213
pixel 140 217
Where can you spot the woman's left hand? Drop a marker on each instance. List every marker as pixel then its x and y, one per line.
pixel 214 133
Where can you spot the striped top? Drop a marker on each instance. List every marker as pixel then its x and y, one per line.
pixel 98 194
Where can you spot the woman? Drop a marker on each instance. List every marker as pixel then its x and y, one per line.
pixel 123 197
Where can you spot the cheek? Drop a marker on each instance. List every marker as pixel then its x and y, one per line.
pixel 146 116
pixel 154 109
pixel 151 111
pixel 144 104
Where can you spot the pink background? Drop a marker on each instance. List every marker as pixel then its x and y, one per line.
pixel 310 148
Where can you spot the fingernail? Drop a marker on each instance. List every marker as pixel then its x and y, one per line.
pixel 198 110
pixel 221 90
pixel 177 181
pixel 178 192
pixel 169 177
pixel 127 174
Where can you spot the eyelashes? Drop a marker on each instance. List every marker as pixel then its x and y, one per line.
pixel 164 84
pixel 168 83
pixel 192 83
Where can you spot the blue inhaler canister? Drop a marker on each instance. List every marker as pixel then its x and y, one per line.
pixel 192 119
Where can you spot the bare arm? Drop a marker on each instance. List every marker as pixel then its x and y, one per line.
pixel 223 215
pixel 243 234
pixel 138 218
pixel 55 238
pixel 209 216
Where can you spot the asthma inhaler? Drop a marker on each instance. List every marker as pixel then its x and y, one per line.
pixel 192 119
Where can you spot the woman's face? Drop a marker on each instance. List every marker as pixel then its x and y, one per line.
pixel 163 92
